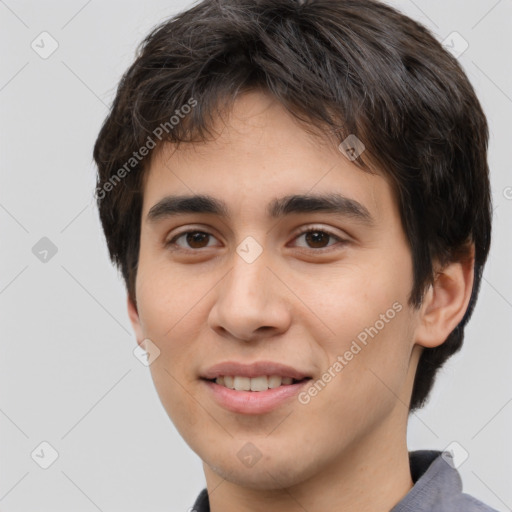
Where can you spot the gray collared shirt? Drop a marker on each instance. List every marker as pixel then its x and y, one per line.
pixel 437 488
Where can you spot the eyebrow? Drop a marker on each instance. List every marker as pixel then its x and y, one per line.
pixel 277 208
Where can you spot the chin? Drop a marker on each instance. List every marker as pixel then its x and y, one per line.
pixel 265 474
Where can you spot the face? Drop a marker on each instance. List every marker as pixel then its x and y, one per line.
pixel 249 286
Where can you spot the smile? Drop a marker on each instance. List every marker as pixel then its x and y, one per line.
pixel 261 383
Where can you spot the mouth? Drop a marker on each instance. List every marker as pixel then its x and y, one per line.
pixel 255 384
pixel 255 388
pixel 250 396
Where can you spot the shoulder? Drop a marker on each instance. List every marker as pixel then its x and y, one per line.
pixel 437 486
pixel 468 503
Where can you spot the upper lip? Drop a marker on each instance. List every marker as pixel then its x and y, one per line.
pixel 256 369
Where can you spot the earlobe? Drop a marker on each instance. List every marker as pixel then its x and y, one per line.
pixel 445 303
pixel 133 314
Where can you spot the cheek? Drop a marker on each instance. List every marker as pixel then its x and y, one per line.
pixel 168 299
pixel 168 311
pixel 353 297
pixel 369 331
pixel 364 371
pixel 169 315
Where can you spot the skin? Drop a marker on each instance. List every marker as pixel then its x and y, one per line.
pixel 298 303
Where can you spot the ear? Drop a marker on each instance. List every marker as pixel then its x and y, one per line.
pixel 445 302
pixel 135 320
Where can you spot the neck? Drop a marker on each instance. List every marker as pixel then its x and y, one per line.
pixel 372 476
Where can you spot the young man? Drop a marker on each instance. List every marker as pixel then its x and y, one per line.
pixel 297 196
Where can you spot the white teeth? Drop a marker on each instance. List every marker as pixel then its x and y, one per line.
pixel 242 383
pixel 274 381
pixel 253 384
pixel 259 383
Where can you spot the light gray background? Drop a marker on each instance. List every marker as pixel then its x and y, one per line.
pixel 67 372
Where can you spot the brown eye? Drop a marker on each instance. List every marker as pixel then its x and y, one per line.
pixel 193 240
pixel 196 239
pixel 319 239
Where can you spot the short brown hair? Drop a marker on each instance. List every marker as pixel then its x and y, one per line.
pixel 348 66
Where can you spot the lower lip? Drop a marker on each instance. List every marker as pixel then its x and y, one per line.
pixel 253 402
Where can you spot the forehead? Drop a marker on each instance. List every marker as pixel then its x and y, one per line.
pixel 260 153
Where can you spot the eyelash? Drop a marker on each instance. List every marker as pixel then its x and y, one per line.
pixel 172 242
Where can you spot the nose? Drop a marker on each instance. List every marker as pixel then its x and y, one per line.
pixel 251 303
